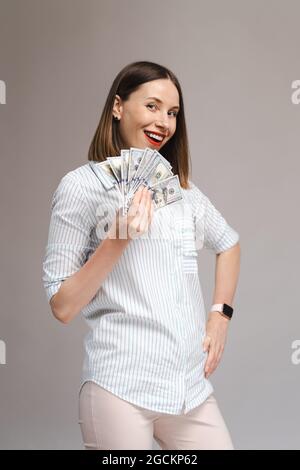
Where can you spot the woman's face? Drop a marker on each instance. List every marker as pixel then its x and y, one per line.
pixel 151 108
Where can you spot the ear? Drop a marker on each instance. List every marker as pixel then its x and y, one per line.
pixel 117 107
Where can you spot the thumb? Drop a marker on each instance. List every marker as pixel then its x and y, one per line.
pixel 206 343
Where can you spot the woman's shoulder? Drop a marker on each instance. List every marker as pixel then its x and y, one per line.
pixel 79 173
pixel 88 176
pixel 194 197
pixel 194 190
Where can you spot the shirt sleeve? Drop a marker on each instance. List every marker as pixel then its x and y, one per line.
pixel 69 235
pixel 211 226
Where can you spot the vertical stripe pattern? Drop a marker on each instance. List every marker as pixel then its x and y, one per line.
pixel 147 320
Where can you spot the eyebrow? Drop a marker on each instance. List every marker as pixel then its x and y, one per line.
pixel 160 101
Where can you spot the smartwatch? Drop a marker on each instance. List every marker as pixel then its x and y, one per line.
pixel 222 308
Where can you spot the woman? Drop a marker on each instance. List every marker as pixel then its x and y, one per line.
pixel 149 351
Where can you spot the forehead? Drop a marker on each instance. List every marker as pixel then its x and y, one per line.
pixel 163 89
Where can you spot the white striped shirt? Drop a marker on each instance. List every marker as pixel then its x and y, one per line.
pixel 147 320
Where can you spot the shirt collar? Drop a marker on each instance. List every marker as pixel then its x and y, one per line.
pixel 107 182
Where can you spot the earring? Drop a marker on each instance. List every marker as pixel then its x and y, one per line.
pixel 116 118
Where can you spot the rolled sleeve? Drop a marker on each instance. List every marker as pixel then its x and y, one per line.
pixel 212 230
pixel 218 234
pixel 69 235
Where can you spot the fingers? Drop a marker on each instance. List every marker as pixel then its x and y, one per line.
pixel 152 208
pixel 215 351
pixel 138 199
pixel 138 195
pixel 134 206
pixel 206 343
pixel 210 363
pixel 141 212
pixel 145 210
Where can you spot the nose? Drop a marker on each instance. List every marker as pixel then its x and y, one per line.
pixel 163 125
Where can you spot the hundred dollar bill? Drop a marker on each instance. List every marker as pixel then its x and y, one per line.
pixel 140 167
pixel 148 166
pixel 136 156
pixel 103 171
pixel 141 170
pixel 166 192
pixel 125 156
pixel 158 173
pixel 115 163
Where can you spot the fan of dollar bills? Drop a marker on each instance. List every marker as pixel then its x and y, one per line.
pixel 146 167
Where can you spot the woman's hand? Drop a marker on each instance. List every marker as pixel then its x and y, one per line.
pixel 138 218
pixel 214 341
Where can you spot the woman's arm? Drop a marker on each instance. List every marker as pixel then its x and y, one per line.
pixel 226 275
pixel 226 278
pixel 79 289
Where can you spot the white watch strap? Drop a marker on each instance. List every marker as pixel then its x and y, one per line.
pixel 217 308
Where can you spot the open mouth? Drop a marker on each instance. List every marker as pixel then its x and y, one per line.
pixel 154 138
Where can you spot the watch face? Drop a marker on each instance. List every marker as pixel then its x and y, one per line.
pixel 227 310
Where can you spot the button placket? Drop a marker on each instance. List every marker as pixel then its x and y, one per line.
pixel 179 240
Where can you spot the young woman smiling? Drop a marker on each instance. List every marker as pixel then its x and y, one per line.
pixel 150 349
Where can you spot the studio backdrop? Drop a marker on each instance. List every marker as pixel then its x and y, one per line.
pixel 238 65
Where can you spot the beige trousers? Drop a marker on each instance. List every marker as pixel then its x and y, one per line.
pixel 108 422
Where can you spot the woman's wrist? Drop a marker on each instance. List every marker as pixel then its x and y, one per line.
pixel 220 315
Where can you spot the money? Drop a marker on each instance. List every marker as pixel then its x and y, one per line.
pixel 142 167
pixel 167 191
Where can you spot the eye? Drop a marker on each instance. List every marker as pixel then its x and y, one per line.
pixel 154 105
pixel 151 104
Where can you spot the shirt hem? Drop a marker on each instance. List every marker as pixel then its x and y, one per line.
pixel 182 410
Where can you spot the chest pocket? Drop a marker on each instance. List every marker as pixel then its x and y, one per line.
pixel 184 235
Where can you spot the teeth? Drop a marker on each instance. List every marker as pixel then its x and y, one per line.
pixel 154 136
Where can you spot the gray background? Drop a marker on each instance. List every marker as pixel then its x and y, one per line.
pixel 236 61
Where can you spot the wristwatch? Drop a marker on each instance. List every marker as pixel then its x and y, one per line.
pixel 222 308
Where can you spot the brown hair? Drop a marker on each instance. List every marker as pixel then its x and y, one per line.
pixel 107 140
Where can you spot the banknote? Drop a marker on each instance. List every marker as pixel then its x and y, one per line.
pixel 137 167
pixel 166 191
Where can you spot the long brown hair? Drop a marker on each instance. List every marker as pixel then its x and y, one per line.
pixel 107 140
